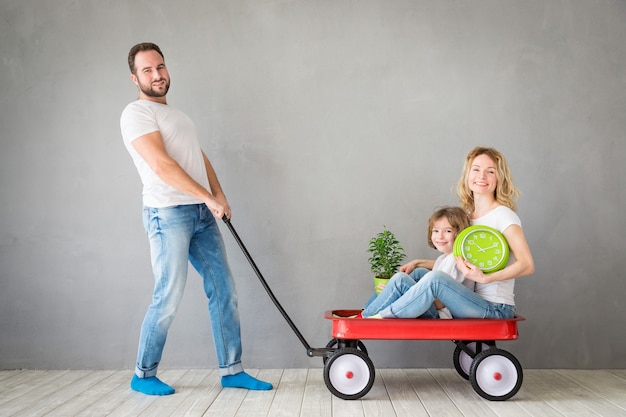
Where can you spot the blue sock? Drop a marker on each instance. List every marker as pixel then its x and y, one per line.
pixel 151 386
pixel 243 380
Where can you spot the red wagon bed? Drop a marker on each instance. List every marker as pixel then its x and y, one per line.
pixel 344 327
pixel 495 374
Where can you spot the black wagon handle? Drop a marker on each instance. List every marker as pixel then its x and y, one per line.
pixel 310 351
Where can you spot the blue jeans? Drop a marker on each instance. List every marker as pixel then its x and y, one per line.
pixel 408 296
pixel 179 235
pixel 387 296
pixel 393 291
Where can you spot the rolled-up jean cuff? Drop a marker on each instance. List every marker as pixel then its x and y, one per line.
pixel 145 374
pixel 232 369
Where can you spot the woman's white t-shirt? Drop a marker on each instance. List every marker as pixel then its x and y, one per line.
pixel 500 292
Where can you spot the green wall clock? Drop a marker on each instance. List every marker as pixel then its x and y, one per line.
pixel 482 246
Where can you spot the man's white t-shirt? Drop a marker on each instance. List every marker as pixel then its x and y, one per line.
pixel 181 143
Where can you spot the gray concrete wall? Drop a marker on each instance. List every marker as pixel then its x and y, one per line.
pixel 325 120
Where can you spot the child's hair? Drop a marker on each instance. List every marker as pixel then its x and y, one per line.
pixel 506 193
pixel 457 217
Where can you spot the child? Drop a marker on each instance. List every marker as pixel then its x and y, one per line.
pixel 443 227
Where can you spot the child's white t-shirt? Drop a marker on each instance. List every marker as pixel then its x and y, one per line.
pixel 447 264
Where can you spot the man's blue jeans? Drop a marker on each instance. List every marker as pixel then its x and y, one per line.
pixel 410 296
pixel 179 235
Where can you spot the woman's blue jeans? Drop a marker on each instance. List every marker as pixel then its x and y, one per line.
pixel 410 296
pixel 179 235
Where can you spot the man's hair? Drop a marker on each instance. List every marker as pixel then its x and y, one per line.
pixel 140 47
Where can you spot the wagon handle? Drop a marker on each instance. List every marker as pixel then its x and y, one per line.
pixel 310 351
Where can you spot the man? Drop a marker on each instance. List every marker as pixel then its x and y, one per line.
pixel 182 199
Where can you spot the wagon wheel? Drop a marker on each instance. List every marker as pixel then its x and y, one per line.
pixel 496 374
pixel 349 374
pixel 462 361
pixel 337 344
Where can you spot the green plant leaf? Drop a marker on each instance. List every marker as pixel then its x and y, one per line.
pixel 386 254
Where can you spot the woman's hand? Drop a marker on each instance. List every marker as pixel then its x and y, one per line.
pixel 471 271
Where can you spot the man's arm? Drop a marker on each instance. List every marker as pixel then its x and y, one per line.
pixel 216 188
pixel 150 147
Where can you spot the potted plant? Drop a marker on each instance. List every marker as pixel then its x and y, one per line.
pixel 386 258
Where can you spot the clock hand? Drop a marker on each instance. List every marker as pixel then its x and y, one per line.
pixel 490 247
pixel 479 248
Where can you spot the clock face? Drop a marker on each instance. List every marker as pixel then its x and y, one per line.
pixel 484 247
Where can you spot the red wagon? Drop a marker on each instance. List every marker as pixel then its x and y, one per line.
pixel 494 373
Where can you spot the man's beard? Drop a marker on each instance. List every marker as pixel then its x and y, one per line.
pixel 147 90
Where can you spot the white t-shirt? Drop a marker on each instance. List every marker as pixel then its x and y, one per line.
pixel 500 292
pixel 181 143
pixel 447 264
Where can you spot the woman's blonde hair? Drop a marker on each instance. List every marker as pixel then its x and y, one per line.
pixel 457 217
pixel 506 193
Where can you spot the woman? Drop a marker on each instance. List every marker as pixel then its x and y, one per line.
pixel 487 193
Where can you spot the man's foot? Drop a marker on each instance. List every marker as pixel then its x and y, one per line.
pixel 150 386
pixel 243 380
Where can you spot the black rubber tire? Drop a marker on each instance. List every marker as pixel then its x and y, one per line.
pixel 349 374
pixel 496 374
pixel 462 361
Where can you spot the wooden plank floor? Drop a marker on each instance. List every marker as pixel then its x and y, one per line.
pixel 302 392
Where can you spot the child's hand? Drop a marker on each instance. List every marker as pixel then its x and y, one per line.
pixel 381 286
pixel 407 268
pixel 471 271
